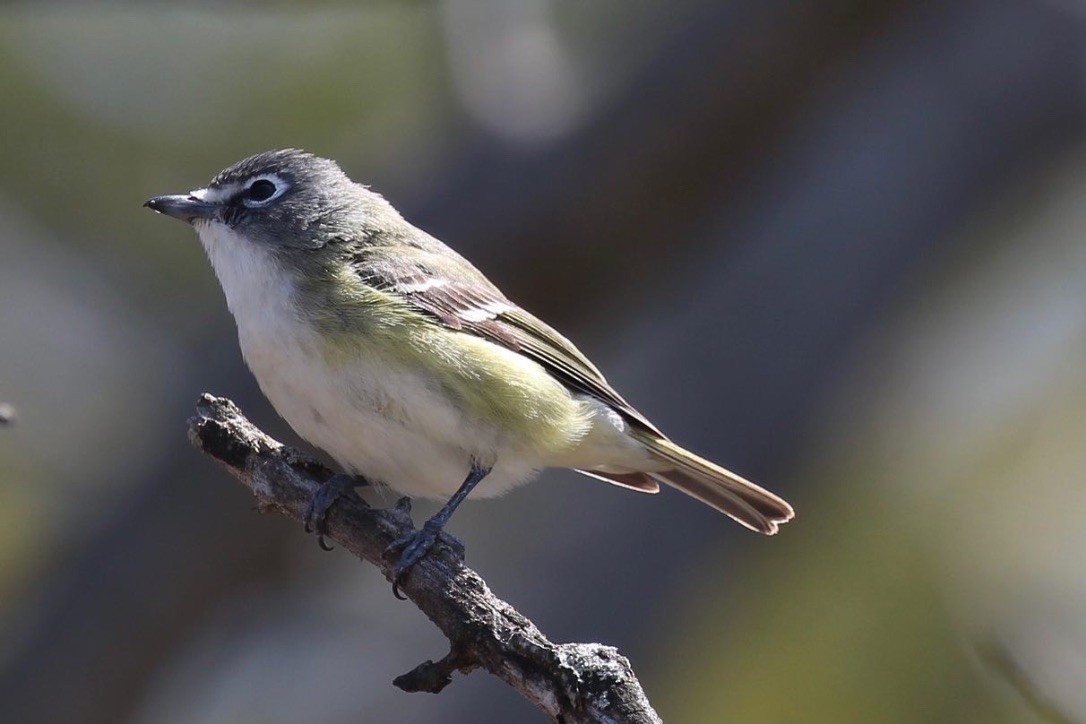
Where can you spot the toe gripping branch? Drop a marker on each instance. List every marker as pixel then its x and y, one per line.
pixel 417 544
pixel 574 683
pixel 410 548
pixel 331 490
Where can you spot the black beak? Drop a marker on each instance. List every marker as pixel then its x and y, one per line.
pixel 185 207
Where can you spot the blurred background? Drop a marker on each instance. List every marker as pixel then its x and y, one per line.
pixel 836 246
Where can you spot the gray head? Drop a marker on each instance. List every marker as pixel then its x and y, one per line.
pixel 285 199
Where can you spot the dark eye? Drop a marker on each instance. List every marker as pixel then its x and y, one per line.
pixel 260 190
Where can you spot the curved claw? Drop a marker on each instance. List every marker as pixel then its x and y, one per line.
pixel 414 545
pixel 316 513
pixel 418 543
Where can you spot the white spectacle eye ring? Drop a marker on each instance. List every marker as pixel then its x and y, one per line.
pixel 262 190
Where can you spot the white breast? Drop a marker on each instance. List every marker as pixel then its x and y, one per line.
pixel 383 422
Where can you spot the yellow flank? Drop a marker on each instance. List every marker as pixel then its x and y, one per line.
pixel 503 387
pixel 490 384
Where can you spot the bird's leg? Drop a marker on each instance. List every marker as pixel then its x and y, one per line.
pixel 416 543
pixel 316 514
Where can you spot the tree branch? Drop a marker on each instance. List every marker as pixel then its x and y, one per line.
pixel 570 682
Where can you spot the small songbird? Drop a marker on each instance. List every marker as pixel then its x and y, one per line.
pixel 390 351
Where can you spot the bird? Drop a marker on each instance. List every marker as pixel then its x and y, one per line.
pixel 385 348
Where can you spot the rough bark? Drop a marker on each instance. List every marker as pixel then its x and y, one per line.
pixel 570 682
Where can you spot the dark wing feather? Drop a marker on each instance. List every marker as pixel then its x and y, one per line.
pixel 460 297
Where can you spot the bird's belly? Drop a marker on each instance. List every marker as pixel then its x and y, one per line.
pixel 379 413
pixel 389 424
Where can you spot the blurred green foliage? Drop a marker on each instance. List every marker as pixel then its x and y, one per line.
pixel 938 479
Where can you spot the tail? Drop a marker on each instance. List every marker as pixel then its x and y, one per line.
pixel 742 500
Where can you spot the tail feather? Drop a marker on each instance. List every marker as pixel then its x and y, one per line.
pixel 746 503
pixel 641 482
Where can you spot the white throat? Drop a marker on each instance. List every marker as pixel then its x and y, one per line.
pixel 256 287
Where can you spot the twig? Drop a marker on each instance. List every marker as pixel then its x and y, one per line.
pixel 570 682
